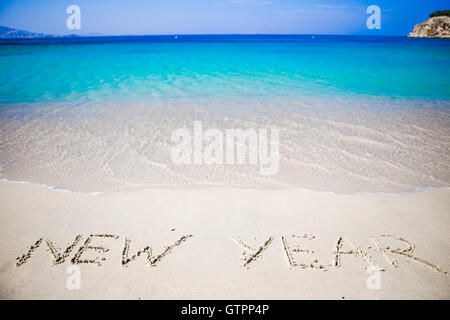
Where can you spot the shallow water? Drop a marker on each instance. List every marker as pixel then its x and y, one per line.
pixel 324 145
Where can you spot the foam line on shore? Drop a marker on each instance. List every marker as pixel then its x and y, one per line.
pixel 99 193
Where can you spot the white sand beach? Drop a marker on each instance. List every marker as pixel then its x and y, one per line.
pixel 124 221
pixel 223 243
pixel 230 149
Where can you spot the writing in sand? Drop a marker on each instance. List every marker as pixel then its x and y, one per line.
pixel 297 250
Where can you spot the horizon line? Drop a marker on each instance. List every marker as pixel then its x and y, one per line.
pixel 98 35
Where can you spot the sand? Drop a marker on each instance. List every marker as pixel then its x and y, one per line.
pixel 223 243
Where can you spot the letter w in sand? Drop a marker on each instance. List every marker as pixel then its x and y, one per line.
pixel 250 254
pixel 152 260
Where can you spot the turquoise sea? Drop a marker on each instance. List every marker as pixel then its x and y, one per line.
pixel 353 113
pixel 142 68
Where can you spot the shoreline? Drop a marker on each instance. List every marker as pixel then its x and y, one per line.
pixel 218 187
pixel 109 148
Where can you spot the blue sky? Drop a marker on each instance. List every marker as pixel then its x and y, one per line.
pixel 115 17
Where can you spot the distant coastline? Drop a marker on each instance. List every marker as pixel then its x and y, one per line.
pixel 17 34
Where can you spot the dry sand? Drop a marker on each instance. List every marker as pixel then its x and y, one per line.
pixel 240 244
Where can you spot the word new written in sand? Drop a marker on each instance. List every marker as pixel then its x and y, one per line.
pixel 297 252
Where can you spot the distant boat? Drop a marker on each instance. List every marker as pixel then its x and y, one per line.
pixel 176 37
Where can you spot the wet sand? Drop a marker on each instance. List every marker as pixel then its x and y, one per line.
pixel 338 145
